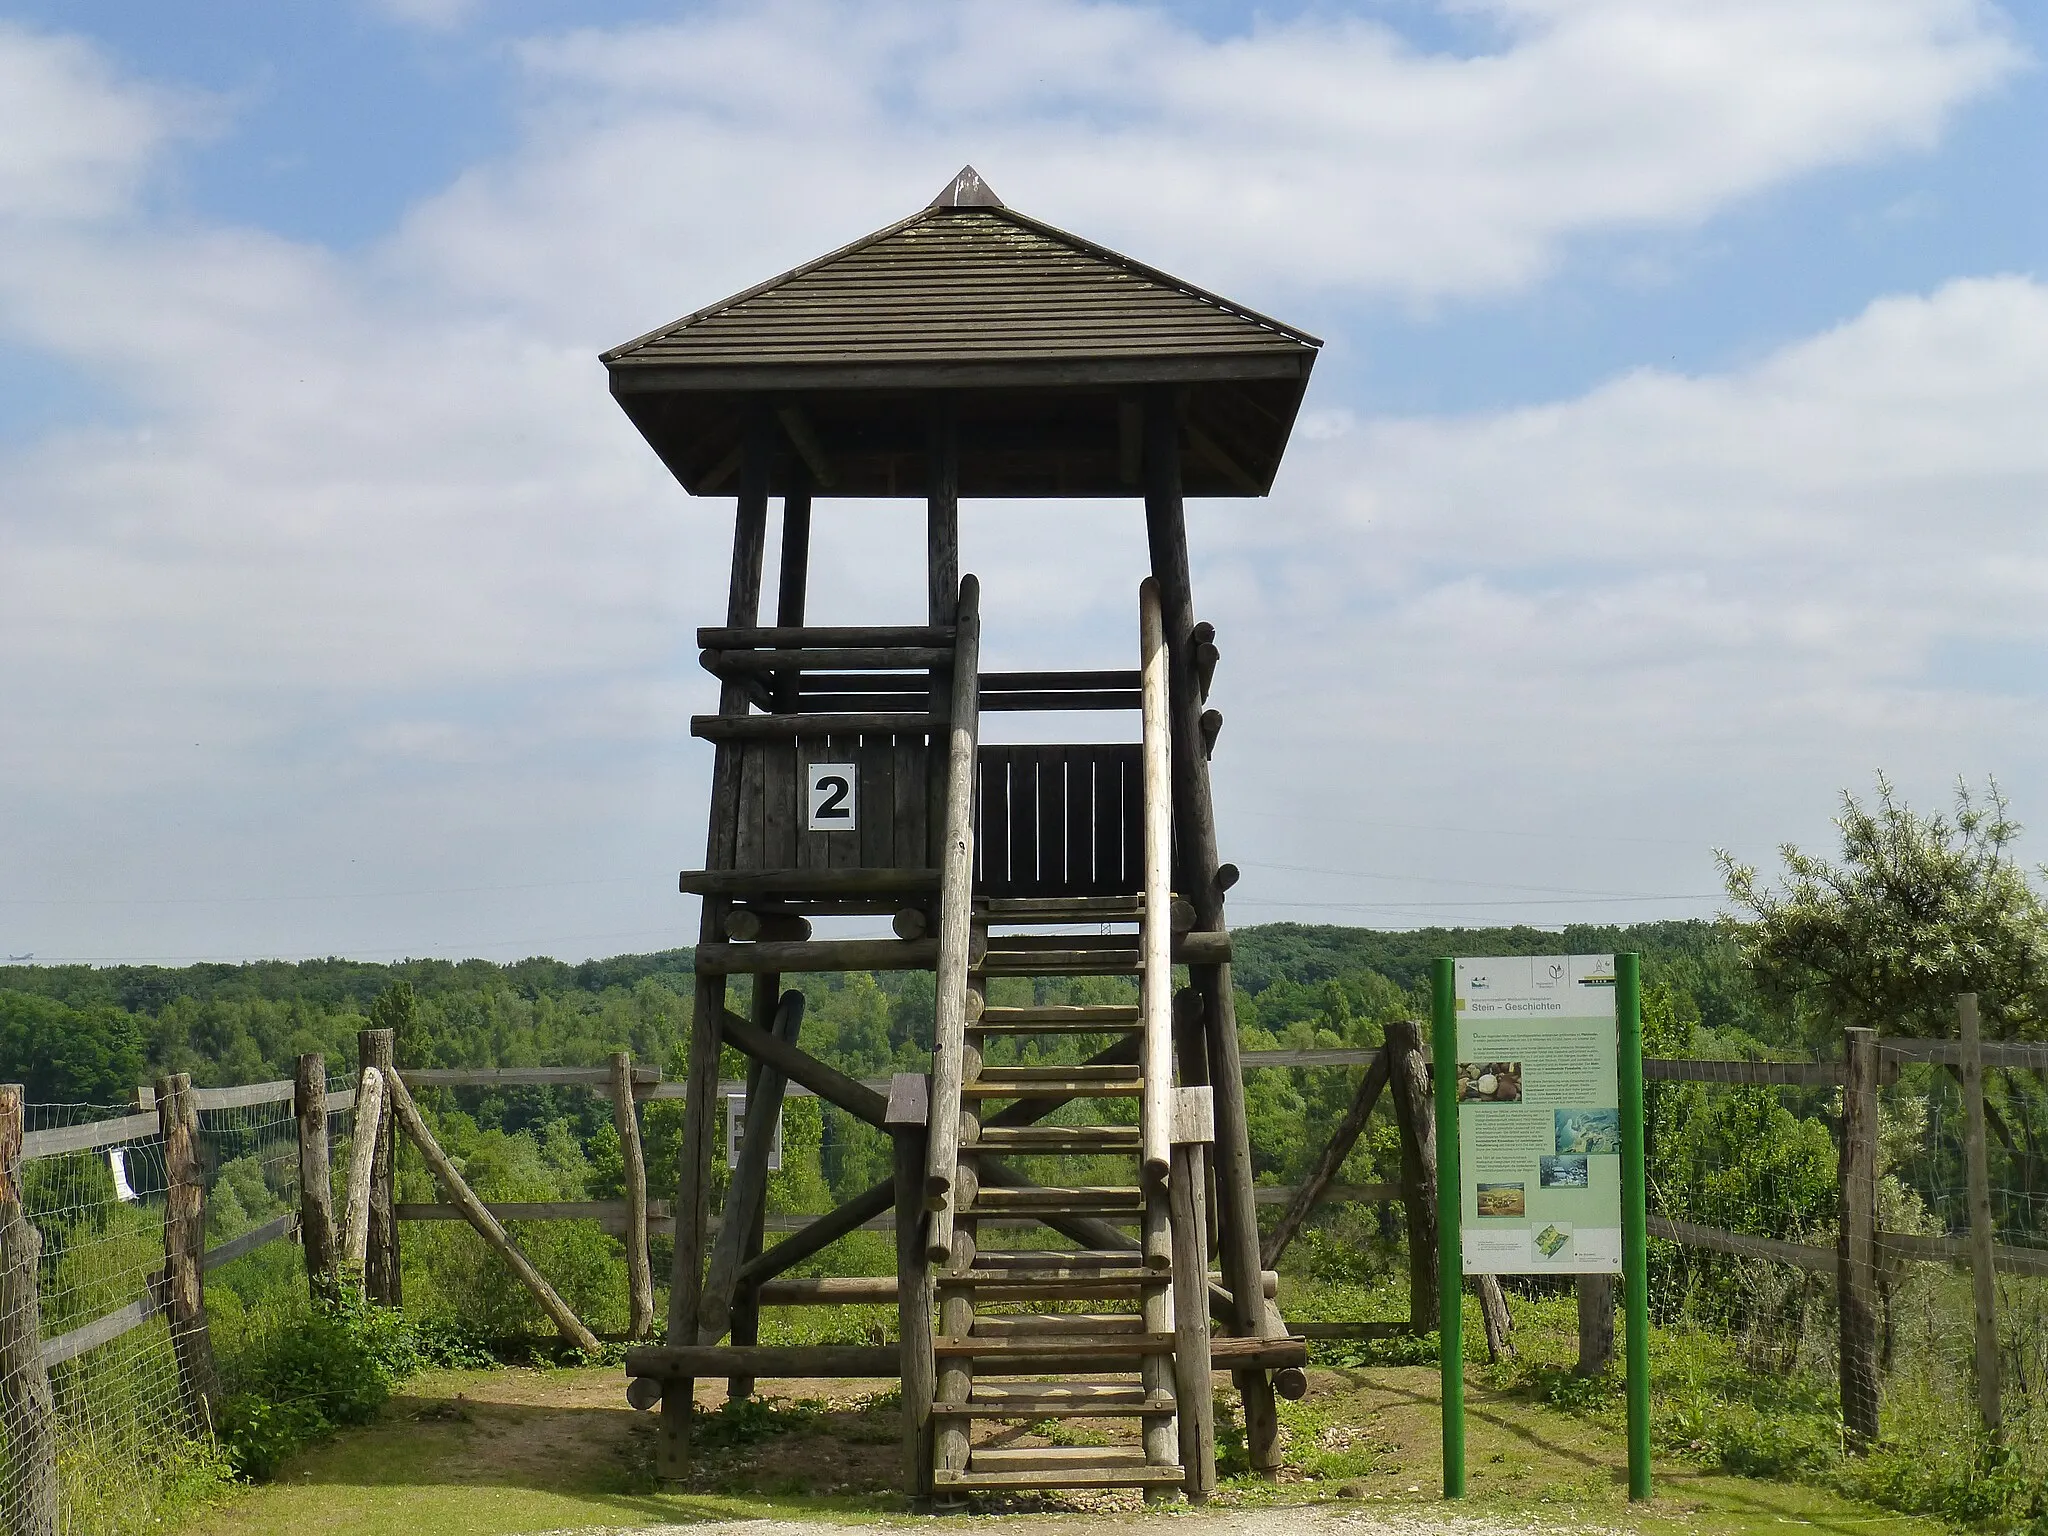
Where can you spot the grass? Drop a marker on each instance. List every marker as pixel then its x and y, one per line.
pixel 489 1453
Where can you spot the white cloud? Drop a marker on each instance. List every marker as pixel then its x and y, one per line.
pixel 368 581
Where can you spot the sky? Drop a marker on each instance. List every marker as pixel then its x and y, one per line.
pixel 1675 460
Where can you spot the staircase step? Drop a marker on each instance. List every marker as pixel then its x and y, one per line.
pixel 1081 1082
pixel 1063 1259
pixel 1073 961
pixel 1057 1140
pixel 1048 1401
pixel 1066 1346
pixel 1033 1325
pixel 1065 909
pixel 1034 1458
pixel 1113 1476
pixel 1068 1200
pixel 1094 1018
pixel 998 1288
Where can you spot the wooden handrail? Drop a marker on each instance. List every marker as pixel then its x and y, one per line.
pixel 956 896
pixel 1156 988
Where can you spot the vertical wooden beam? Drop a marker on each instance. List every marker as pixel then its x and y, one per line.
pixel 639 1272
pixel 1195 876
pixel 956 935
pixel 747 1186
pixel 1194 1123
pixel 700 1091
pixel 909 1110
pixel 376 1048
pixel 185 1248
pixel 1408 1082
pixel 942 511
pixel 793 571
pixel 1857 1302
pixel 316 1176
pixel 362 1171
pixel 1983 1228
pixel 954 1377
pixel 1596 1323
pixel 745 1326
pixel 28 1414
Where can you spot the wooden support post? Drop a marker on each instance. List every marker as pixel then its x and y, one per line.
pixel 953 1376
pixel 375 1048
pixel 942 512
pixel 1159 1432
pixel 1983 1227
pixel 1408 1081
pixel 316 1177
pixel 185 1248
pixel 747 1185
pixel 488 1227
pixel 956 885
pixel 1857 1300
pixel 639 1272
pixel 1596 1323
pixel 793 572
pixel 1197 880
pixel 1156 984
pixel 1324 1173
pixel 700 1093
pixel 1194 1121
pixel 909 1109
pixel 362 1162
pixel 28 1414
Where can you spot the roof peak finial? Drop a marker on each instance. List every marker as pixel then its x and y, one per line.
pixel 967 190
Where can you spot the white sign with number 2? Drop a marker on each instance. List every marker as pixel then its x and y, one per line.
pixel 832 797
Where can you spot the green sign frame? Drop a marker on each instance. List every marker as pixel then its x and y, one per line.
pixel 1628 1009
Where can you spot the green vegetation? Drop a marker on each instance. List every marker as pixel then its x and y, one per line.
pixel 1916 908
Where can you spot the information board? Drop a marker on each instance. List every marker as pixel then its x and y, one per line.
pixel 1539 1116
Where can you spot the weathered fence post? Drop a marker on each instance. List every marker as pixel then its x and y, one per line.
pixel 27 1413
pixel 1596 1323
pixel 316 1179
pixel 1983 1229
pixel 375 1048
pixel 177 1115
pixel 1857 1262
pixel 909 1107
pixel 1409 1083
pixel 639 1271
pixel 362 1167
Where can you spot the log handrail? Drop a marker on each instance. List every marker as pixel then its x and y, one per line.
pixel 956 895
pixel 1156 983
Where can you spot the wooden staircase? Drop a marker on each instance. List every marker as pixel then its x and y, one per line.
pixel 1143 1346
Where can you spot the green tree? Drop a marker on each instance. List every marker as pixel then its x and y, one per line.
pixel 1919 909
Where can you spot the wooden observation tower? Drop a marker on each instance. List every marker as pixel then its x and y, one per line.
pixel 972 351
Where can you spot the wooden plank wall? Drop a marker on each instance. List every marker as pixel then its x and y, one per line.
pixel 891 832
pixel 1065 820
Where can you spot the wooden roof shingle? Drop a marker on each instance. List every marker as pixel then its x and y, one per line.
pixel 1026 322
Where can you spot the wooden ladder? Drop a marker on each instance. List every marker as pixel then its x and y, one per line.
pixel 1145 1352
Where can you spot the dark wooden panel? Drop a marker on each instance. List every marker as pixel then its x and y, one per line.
pixel 1052 818
pixel 1133 774
pixel 1059 820
pixel 1080 824
pixel 1024 765
pixel 1109 843
pixel 877 804
pixel 908 758
pixel 992 821
pixel 779 797
pixel 842 849
pixel 748 849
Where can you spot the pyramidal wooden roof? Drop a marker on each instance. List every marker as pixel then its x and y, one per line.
pixel 967 295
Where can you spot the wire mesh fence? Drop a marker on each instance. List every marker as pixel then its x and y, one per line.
pixel 98 1417
pixel 1750 1182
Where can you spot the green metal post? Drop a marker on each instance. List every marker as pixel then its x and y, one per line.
pixel 1635 1220
pixel 1450 1252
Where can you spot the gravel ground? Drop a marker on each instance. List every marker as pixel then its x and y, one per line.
pixel 1305 1520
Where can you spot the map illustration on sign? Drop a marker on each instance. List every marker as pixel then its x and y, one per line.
pixel 1539 1123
